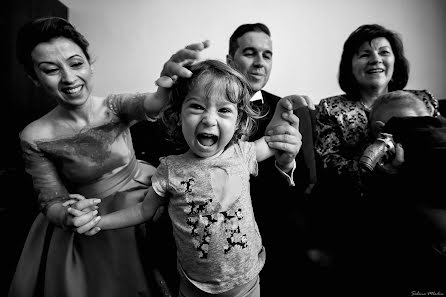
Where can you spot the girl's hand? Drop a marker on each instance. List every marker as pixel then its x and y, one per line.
pixel 81 214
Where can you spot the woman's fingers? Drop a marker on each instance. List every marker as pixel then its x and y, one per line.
pixel 74 212
pixel 86 204
pixel 83 204
pixel 89 225
pixel 186 56
pixel 69 202
pixel 199 46
pixel 76 196
pixel 399 155
pixel 93 231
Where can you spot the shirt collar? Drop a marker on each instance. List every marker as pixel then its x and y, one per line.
pixel 257 96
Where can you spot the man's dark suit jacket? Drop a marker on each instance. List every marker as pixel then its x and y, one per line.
pixel 280 212
pixel 278 208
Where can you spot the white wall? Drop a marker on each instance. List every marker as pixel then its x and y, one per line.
pixel 131 39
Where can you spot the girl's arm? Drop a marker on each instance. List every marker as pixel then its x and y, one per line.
pixel 133 215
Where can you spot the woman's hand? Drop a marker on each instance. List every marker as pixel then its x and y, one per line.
pixel 81 214
pixel 393 166
pixel 174 68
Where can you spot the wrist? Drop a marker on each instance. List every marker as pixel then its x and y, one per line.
pixel 64 221
pixel 154 103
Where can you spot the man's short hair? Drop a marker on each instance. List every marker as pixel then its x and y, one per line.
pixel 243 29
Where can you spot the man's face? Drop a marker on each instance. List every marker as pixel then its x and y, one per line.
pixel 253 58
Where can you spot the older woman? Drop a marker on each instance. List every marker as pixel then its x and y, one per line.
pixel 372 64
pixel 83 146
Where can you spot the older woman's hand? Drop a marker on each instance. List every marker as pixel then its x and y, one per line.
pixel 393 166
pixel 82 214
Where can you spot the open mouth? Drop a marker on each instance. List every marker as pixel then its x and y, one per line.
pixel 207 139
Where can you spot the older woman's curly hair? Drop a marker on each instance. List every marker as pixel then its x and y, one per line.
pixel 366 33
pixel 223 77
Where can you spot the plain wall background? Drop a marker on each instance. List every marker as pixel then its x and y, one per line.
pixel 131 39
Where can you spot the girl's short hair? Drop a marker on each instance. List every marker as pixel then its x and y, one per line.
pixel 43 30
pixel 366 33
pixel 237 89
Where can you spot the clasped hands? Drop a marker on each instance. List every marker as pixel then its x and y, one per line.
pixel 286 138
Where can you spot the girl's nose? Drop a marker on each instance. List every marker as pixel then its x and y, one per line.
pixel 209 118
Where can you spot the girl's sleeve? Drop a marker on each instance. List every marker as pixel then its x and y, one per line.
pixel 47 183
pixel 248 151
pixel 128 107
pixel 328 144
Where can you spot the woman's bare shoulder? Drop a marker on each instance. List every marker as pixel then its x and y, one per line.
pixel 40 129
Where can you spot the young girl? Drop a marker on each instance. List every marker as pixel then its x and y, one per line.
pixel 219 248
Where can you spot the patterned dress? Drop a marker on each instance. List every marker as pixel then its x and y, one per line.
pixel 98 162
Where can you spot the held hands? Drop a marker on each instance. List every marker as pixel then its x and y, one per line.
pixel 81 214
pixel 283 130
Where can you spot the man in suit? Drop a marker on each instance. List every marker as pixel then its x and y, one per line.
pixel 279 208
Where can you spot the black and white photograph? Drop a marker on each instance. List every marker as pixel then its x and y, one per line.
pixel 237 148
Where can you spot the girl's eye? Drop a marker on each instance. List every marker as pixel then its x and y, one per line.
pixel 196 106
pixel 225 110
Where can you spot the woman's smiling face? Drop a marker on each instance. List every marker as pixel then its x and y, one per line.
pixel 373 64
pixel 63 71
